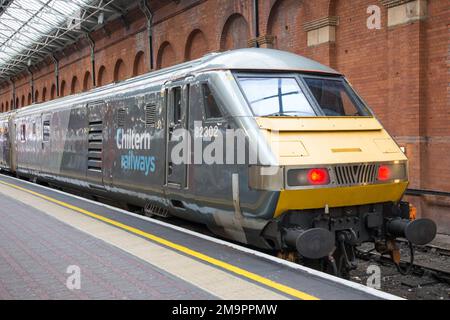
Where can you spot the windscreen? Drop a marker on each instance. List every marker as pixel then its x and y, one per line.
pixel 334 97
pixel 273 96
pixel 285 96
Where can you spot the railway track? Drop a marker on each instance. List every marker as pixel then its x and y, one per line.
pixel 418 268
pixel 428 279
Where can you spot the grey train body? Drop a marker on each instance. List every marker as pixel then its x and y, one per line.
pixel 119 143
pixel 72 142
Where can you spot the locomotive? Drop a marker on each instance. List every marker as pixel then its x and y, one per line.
pixel 264 147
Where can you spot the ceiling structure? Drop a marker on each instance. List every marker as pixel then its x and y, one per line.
pixel 31 30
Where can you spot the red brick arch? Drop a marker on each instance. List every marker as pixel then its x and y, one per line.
pixel 23 101
pixel 235 33
pixel 7 106
pixel 75 86
pixel 196 45
pixel 283 22
pixel 44 94
pixel 29 99
pixel 139 64
pixel 166 55
pixel 62 89
pixel 101 76
pixel 120 71
pixel 87 81
pixel 36 96
pixel 3 107
pixel 332 7
pixel 52 92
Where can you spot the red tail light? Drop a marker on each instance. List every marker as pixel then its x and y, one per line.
pixel 384 173
pixel 318 176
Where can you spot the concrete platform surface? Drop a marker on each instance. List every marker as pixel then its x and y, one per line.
pixel 50 239
pixel 39 254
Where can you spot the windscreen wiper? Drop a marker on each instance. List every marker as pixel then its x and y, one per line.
pixel 286 113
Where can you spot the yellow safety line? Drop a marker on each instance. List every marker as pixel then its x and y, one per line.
pixel 244 273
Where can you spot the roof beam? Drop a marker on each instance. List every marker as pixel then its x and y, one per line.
pixel 37 44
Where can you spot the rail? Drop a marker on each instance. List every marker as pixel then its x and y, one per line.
pixel 421 192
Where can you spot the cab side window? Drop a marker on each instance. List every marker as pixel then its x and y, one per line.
pixel 176 104
pixel 22 132
pixel 212 110
pixel 46 131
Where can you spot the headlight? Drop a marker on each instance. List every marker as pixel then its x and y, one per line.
pixel 390 172
pixel 308 177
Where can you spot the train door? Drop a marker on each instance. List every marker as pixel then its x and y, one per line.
pixel 177 102
pixel 36 143
pixel 94 170
pixel 5 145
pixel 45 142
pixel 12 144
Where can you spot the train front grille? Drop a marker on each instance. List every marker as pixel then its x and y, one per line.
pixel 355 174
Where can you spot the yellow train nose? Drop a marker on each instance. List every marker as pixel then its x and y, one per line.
pixel 338 197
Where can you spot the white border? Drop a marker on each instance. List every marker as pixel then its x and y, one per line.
pixel 326 276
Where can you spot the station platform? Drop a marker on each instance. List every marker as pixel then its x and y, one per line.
pixel 46 234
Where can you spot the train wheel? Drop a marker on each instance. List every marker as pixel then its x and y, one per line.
pixel 345 257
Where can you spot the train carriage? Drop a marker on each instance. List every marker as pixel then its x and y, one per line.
pixel 264 147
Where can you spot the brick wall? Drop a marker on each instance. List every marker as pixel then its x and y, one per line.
pixel 402 70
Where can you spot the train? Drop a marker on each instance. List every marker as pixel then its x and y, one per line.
pixel 264 147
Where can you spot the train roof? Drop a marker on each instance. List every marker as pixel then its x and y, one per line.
pixel 249 59
pixel 262 59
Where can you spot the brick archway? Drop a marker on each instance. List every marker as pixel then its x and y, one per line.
pixel 282 23
pixel 87 81
pixel 196 45
pixel 101 77
pixel 44 94
pixel 166 55
pixel 120 72
pixel 52 92
pixel 139 64
pixel 62 89
pixel 332 7
pixel 74 87
pixel 235 33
